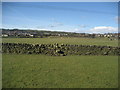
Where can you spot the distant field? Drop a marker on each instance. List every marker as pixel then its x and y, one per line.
pixel 65 40
pixel 40 71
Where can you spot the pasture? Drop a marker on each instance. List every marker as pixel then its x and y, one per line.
pixel 40 71
pixel 65 40
pixel 72 71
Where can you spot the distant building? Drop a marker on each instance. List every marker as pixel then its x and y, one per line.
pixel 4 35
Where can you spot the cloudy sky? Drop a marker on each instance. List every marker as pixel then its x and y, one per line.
pixel 81 17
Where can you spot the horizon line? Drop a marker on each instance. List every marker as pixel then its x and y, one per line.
pixel 56 31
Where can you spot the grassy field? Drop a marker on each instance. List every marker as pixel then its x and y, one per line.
pixel 40 71
pixel 65 40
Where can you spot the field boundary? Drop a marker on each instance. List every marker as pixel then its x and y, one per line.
pixel 59 49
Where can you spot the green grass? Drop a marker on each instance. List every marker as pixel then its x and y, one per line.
pixel 65 40
pixel 40 71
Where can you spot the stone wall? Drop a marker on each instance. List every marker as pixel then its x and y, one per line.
pixel 59 49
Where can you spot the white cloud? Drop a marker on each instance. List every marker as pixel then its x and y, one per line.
pixel 117 19
pixel 56 24
pixel 103 29
pixel 83 26
pixel 77 30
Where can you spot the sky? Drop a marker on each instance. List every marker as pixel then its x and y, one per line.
pixel 80 17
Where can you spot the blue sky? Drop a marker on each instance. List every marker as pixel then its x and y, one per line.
pixel 88 17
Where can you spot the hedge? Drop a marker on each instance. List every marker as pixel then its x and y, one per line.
pixel 59 49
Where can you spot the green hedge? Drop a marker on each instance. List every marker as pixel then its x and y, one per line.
pixel 59 49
